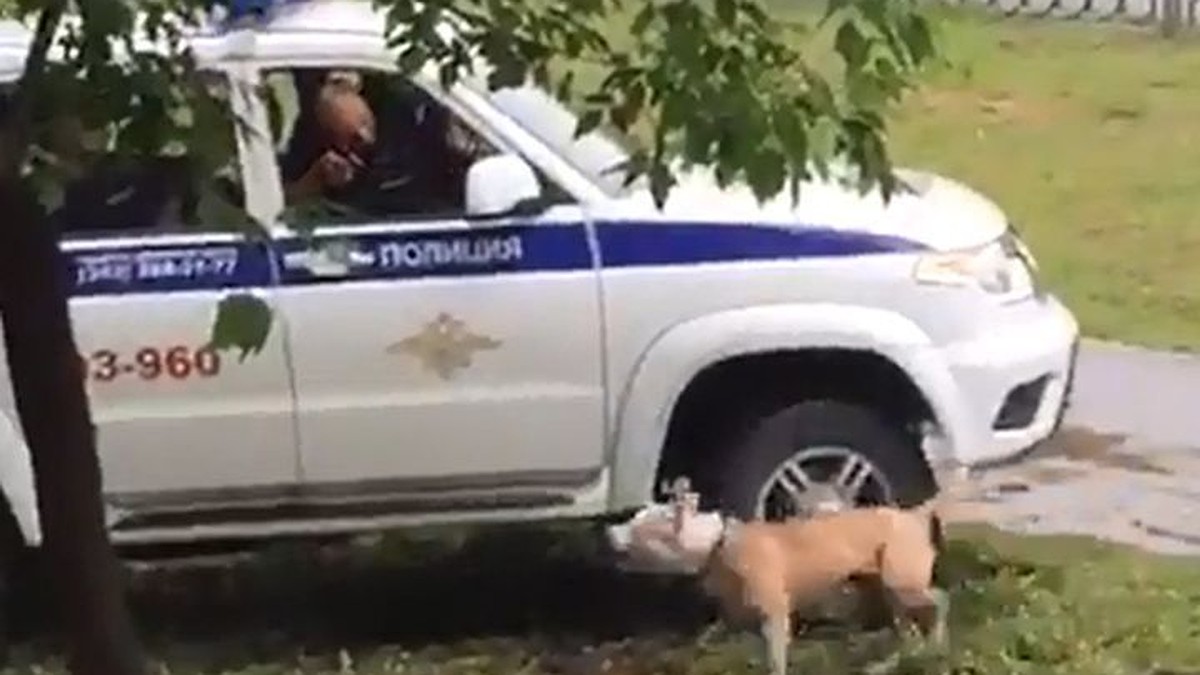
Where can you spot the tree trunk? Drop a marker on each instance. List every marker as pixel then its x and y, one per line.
pixel 52 404
pixel 1172 17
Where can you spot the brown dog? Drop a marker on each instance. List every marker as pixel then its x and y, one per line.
pixel 761 572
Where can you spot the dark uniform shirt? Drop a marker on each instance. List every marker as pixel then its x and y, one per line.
pixel 118 196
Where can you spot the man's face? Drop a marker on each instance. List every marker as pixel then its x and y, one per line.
pixel 348 122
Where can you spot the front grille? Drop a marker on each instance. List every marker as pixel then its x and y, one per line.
pixel 1021 405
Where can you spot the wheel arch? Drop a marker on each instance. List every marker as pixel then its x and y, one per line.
pixel 682 360
pixel 724 397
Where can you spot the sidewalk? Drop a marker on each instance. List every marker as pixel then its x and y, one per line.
pixel 1126 465
pixel 1150 500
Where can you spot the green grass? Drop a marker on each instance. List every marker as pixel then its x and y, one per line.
pixel 538 601
pixel 1087 135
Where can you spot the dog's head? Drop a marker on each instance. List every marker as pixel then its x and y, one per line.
pixel 667 538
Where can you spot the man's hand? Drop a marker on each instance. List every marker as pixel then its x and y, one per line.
pixel 331 169
pixel 335 169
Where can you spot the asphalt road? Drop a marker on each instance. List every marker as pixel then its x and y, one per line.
pixel 1152 396
pixel 1126 465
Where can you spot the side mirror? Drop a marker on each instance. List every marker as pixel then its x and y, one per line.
pixel 501 185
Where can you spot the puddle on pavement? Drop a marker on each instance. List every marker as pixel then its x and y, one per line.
pixel 1080 444
pixel 1106 485
pixel 1072 455
pixel 1048 474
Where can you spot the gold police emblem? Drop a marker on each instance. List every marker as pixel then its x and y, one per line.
pixel 444 345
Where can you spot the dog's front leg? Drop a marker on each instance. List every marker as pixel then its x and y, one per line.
pixel 776 633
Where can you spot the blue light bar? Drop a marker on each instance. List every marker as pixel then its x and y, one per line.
pixel 241 9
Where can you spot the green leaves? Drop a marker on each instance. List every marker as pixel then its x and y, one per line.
pixel 718 83
pixel 852 45
pixel 588 121
pixel 242 323
pixel 727 11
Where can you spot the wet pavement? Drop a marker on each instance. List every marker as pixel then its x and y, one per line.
pixel 1125 466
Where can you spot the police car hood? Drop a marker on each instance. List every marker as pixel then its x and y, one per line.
pixel 937 212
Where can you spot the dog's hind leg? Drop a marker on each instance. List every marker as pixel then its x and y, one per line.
pixel 926 608
pixel 906 565
pixel 776 633
pixel 773 605
pixel 873 607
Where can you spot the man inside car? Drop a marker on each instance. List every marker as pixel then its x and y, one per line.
pixel 414 162
pixel 342 152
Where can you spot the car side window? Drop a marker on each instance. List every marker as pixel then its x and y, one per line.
pixel 106 194
pixel 367 146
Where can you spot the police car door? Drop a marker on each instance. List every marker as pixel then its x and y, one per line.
pixel 436 353
pixel 178 424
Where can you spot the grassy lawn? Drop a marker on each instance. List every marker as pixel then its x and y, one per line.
pixel 1089 136
pixel 535 601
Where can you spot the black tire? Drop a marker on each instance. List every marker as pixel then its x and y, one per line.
pixel 770 438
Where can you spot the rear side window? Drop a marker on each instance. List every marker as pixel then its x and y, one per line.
pixel 97 193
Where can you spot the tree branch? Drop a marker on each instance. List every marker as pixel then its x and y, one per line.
pixel 18 131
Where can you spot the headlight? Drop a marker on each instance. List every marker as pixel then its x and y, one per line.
pixel 1001 267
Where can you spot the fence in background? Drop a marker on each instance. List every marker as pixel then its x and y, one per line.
pixel 1172 14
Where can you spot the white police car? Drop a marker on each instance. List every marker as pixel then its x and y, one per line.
pixel 541 341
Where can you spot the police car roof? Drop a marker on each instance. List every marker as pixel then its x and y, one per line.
pixel 295 33
pixel 291 31
pixel 324 16
pixel 14 45
pixel 16 37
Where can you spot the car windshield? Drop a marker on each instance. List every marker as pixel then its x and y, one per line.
pixel 596 154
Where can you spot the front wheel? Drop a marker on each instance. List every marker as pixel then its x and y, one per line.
pixel 820 455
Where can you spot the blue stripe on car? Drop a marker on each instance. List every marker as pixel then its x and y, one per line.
pixel 632 245
pixel 543 247
pixel 159 268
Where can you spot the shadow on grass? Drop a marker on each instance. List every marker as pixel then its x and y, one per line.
pixel 498 583
pixel 511 599
pixel 507 589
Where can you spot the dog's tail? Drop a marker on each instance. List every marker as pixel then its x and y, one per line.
pixel 953 488
pixel 931 507
pixel 931 511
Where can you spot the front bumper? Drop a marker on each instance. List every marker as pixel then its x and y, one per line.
pixel 1014 379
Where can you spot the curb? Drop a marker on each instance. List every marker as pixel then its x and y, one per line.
pixel 1189 353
